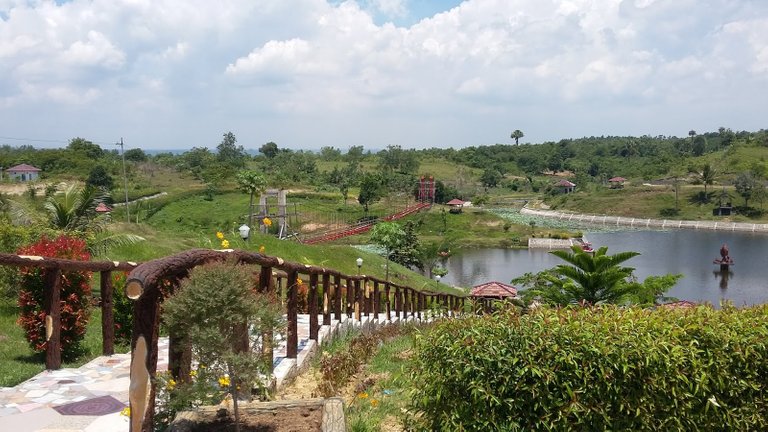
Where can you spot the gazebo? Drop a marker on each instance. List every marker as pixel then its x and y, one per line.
pixel 494 290
pixel 566 186
pixel 102 208
pixel 456 205
pixel 617 182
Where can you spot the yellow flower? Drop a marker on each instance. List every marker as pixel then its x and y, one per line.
pixel 224 381
pixel 267 222
pixel 374 403
pixel 225 244
pixel 171 384
pixel 219 235
pixel 126 411
pixel 262 249
pixel 299 282
pixel 363 395
pixel 193 373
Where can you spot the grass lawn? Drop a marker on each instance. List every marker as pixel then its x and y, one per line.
pixel 382 404
pixel 17 360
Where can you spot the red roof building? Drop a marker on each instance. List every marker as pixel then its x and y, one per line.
pixel 617 182
pixel 494 289
pixel 23 172
pixel 102 208
pixel 455 202
pixel 566 186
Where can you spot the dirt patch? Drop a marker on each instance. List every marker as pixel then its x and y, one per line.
pixel 303 386
pixel 300 419
pixel 312 227
pixel 3 337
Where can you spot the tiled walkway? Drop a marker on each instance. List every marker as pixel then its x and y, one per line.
pixel 91 397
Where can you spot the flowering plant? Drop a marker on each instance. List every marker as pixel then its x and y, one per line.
pixel 75 295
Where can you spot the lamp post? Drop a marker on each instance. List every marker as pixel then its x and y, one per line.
pixel 359 262
pixel 245 230
pixel 437 278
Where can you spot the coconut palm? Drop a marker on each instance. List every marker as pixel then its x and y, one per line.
pixel 707 176
pixel 588 277
pixel 73 212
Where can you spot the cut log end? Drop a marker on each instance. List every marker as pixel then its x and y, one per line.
pixel 133 289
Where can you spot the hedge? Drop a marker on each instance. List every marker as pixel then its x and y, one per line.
pixel 602 368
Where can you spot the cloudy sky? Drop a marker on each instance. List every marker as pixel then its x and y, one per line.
pixel 416 73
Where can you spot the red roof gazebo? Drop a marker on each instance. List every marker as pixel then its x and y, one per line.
pixel 495 290
pixel 617 182
pixel 456 205
pixel 102 208
pixel 566 186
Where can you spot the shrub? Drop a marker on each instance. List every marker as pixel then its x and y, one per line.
pixel 75 295
pixel 123 309
pixel 604 368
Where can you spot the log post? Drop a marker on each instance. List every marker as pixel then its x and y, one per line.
pixel 179 358
pixel 357 298
pixel 52 304
pixel 366 294
pixel 349 291
pixel 418 305
pixel 398 304
pixel 146 324
pixel 312 307
pixel 406 303
pixel 376 300
pixel 388 304
pixel 337 297
pixel 107 314
pixel 292 337
pixel 267 349
pixel 326 299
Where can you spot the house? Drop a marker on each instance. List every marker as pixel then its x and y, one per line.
pixel 103 208
pixel 23 173
pixel 566 186
pixel 616 182
pixel 456 205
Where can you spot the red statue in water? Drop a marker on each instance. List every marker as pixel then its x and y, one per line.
pixel 725 260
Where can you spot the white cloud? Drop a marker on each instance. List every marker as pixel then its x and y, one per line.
pixel 198 67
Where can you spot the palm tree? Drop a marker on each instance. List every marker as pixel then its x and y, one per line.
pixel 707 176
pixel 251 182
pixel 74 212
pixel 691 133
pixel 516 135
pixel 589 278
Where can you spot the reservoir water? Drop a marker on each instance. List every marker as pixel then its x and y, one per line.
pixel 686 251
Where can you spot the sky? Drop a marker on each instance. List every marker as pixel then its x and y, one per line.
pixel 174 74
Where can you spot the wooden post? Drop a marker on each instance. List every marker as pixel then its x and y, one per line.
pixel 406 303
pixel 337 297
pixel 326 299
pixel 52 304
pixel 376 300
pixel 146 323
pixel 179 357
pixel 398 303
pixel 312 308
pixel 357 299
pixel 349 291
pixel 107 314
pixel 292 337
pixel 366 297
pixel 418 305
pixel 445 304
pixel 388 304
pixel 267 349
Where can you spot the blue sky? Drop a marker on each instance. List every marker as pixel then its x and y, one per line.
pixel 416 73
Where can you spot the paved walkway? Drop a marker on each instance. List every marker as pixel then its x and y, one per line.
pixel 91 397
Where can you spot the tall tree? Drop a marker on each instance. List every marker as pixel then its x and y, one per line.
pixel 390 236
pixel 269 150
pixel 230 153
pixel 251 183
pixel 371 190
pixel 89 149
pixel 707 176
pixel 516 135
pixel 98 177
pixel 745 185
pixel 490 178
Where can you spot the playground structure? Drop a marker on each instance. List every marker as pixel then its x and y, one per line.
pixel 425 198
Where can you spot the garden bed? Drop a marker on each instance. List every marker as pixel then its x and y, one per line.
pixel 307 415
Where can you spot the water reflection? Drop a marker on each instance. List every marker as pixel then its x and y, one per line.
pixel 687 252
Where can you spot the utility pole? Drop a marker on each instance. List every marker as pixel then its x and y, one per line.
pixel 125 182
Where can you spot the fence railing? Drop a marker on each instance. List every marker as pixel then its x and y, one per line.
pixel 52 269
pixel 331 296
pixel 631 222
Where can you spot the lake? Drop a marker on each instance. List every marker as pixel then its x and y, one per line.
pixel 685 251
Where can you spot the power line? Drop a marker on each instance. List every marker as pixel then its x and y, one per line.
pixel 51 140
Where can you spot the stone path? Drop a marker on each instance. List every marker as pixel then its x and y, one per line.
pixel 90 398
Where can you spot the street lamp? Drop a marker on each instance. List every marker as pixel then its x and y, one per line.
pixel 244 231
pixel 359 262
pixel 437 278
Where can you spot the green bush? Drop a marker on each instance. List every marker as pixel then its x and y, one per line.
pixel 604 368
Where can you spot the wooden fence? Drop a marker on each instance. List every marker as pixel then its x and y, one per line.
pixel 330 294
